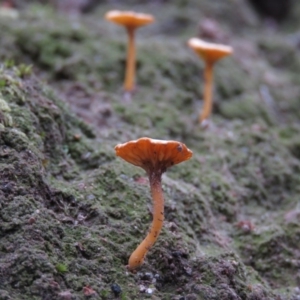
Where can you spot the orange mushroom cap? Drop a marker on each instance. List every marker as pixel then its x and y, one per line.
pixel 151 154
pixel 129 18
pixel 210 52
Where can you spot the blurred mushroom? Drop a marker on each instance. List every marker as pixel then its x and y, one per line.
pixel 210 53
pixel 155 157
pixel 131 21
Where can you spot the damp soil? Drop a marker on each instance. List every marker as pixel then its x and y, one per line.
pixel 71 212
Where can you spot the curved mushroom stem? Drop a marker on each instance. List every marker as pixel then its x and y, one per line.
pixel 138 255
pixel 208 78
pixel 130 62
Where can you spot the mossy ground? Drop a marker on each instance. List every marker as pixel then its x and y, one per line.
pixel 71 212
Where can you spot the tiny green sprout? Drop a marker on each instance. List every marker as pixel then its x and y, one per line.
pixel 23 70
pixel 61 268
pixel 2 83
pixel 9 63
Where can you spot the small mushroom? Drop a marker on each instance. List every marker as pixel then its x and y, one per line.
pixel 210 53
pixel 131 20
pixel 154 156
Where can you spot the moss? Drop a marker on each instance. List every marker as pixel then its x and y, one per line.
pixel 249 107
pixel 279 52
pixel 273 250
pixel 67 200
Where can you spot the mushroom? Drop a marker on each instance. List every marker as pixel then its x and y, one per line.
pixel 210 53
pixel 154 156
pixel 131 20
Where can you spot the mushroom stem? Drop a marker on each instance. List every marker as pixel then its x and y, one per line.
pixel 130 63
pixel 208 79
pixel 138 255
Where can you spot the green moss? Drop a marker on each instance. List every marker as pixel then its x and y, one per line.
pixel 249 107
pixel 68 199
pixel 271 250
